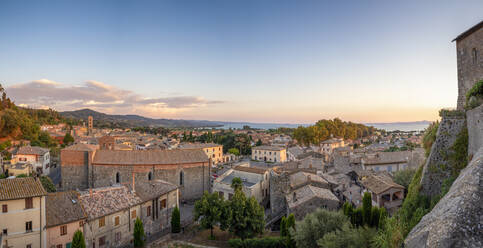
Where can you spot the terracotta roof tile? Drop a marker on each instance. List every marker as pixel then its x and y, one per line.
pixel 32 150
pixel 63 207
pixel 107 200
pixel 379 184
pixel 250 169
pixel 268 148
pixel 18 188
pixel 82 147
pixel 151 157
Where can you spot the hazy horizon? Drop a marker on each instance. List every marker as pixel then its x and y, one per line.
pixel 248 61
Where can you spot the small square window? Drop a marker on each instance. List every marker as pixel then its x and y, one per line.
pixel 63 230
pixel 102 221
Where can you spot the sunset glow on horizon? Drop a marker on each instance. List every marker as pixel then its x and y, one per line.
pixel 246 61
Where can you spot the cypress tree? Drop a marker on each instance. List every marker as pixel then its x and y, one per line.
pixel 175 220
pixel 138 233
pixel 366 208
pixel 78 240
pixel 283 227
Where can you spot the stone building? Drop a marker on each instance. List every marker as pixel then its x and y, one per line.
pixel 37 156
pixel 212 150
pixel 111 212
pixel 384 192
pixel 65 216
pixel 83 167
pixel 386 161
pixel 158 201
pixel 22 217
pixel 469 52
pixel 269 153
pixel 299 191
pixel 256 183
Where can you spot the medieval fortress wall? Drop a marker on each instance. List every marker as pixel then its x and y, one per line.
pixel 456 221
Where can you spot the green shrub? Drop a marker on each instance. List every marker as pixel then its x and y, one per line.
pixel 366 208
pixel 430 136
pixel 47 184
pixel 451 113
pixel 268 242
pixel 175 220
pixel 477 92
pixel 283 227
pixel 138 233
pixel 458 157
pixel 78 240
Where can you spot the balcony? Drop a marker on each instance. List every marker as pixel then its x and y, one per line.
pixel 392 204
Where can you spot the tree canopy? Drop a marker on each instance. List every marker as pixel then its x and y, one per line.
pixel 324 129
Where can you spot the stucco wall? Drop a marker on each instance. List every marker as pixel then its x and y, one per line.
pixel 16 217
pixel 54 238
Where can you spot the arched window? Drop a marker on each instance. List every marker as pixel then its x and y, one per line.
pixel 181 178
pixel 118 177
pixel 150 176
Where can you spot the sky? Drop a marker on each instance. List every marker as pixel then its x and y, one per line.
pixel 257 61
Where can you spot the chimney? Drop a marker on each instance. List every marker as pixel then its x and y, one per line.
pixel 90 192
pixel 133 183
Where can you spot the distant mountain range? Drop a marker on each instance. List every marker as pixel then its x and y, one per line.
pixel 129 121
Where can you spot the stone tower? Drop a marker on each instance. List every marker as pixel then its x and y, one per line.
pixel 90 124
pixel 469 53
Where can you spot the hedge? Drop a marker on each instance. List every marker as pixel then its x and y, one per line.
pixel 268 242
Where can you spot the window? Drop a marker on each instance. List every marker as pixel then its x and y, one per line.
pixel 148 211
pixel 118 177
pixel 102 221
pixel 81 223
pixel 221 194
pixel 116 221
pixel 4 208
pixel 102 241
pixel 29 203
pixel 163 203
pixel 294 197
pixel 63 230
pixel 474 53
pixel 180 178
pixel 29 246
pixel 389 168
pixel 28 226
pixel 117 237
pixel 230 195
pixel 5 231
pixel 150 176
pixel 133 214
pixel 59 246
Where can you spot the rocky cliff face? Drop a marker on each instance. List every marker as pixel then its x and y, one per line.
pixel 436 169
pixel 457 219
